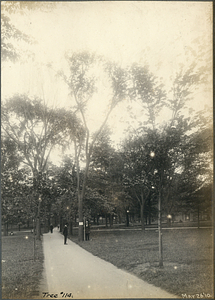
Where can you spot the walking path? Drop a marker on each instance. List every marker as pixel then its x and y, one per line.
pixel 71 269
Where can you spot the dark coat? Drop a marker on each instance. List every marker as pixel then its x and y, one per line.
pixel 87 227
pixel 65 230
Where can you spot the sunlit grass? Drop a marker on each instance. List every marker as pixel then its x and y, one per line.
pixel 187 256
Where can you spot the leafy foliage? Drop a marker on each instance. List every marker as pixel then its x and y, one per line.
pixel 14 192
pixel 147 90
pixel 10 34
pixel 36 129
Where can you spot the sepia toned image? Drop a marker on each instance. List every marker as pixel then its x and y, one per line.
pixel 106 150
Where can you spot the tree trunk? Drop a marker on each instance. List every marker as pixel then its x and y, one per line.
pixel 160 232
pixel 46 226
pixel 127 219
pixel 61 224
pixel 80 214
pixel 111 220
pixel 81 193
pixel 149 213
pixel 38 225
pixel 38 229
pixel 142 216
pixel 120 219
pixel 70 228
pixel 198 217
pixel 5 229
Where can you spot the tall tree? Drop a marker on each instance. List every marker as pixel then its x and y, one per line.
pixel 105 176
pixel 196 176
pixel 36 130
pixel 147 90
pixel 82 85
pixel 138 171
pixel 66 180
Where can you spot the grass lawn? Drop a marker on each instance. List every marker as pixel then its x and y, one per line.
pixel 187 256
pixel 21 275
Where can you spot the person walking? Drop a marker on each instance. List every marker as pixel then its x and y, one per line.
pixel 65 233
pixel 51 228
pixel 87 230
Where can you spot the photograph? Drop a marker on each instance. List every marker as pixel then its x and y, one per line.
pixel 107 150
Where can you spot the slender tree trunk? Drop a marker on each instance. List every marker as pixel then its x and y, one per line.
pixel 142 216
pixel 80 196
pixel 38 225
pixel 111 220
pixel 198 217
pixel 160 231
pixel 61 224
pixel 149 213
pixel 127 218
pixel 142 211
pixel 120 219
pixel 81 221
pixel 81 192
pixel 70 227
pixel 46 225
pixel 5 228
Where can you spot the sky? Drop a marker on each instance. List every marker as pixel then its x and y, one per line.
pixel 147 32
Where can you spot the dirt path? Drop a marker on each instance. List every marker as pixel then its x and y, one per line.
pixel 72 270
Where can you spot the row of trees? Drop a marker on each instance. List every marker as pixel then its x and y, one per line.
pixel 165 161
pixel 172 163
